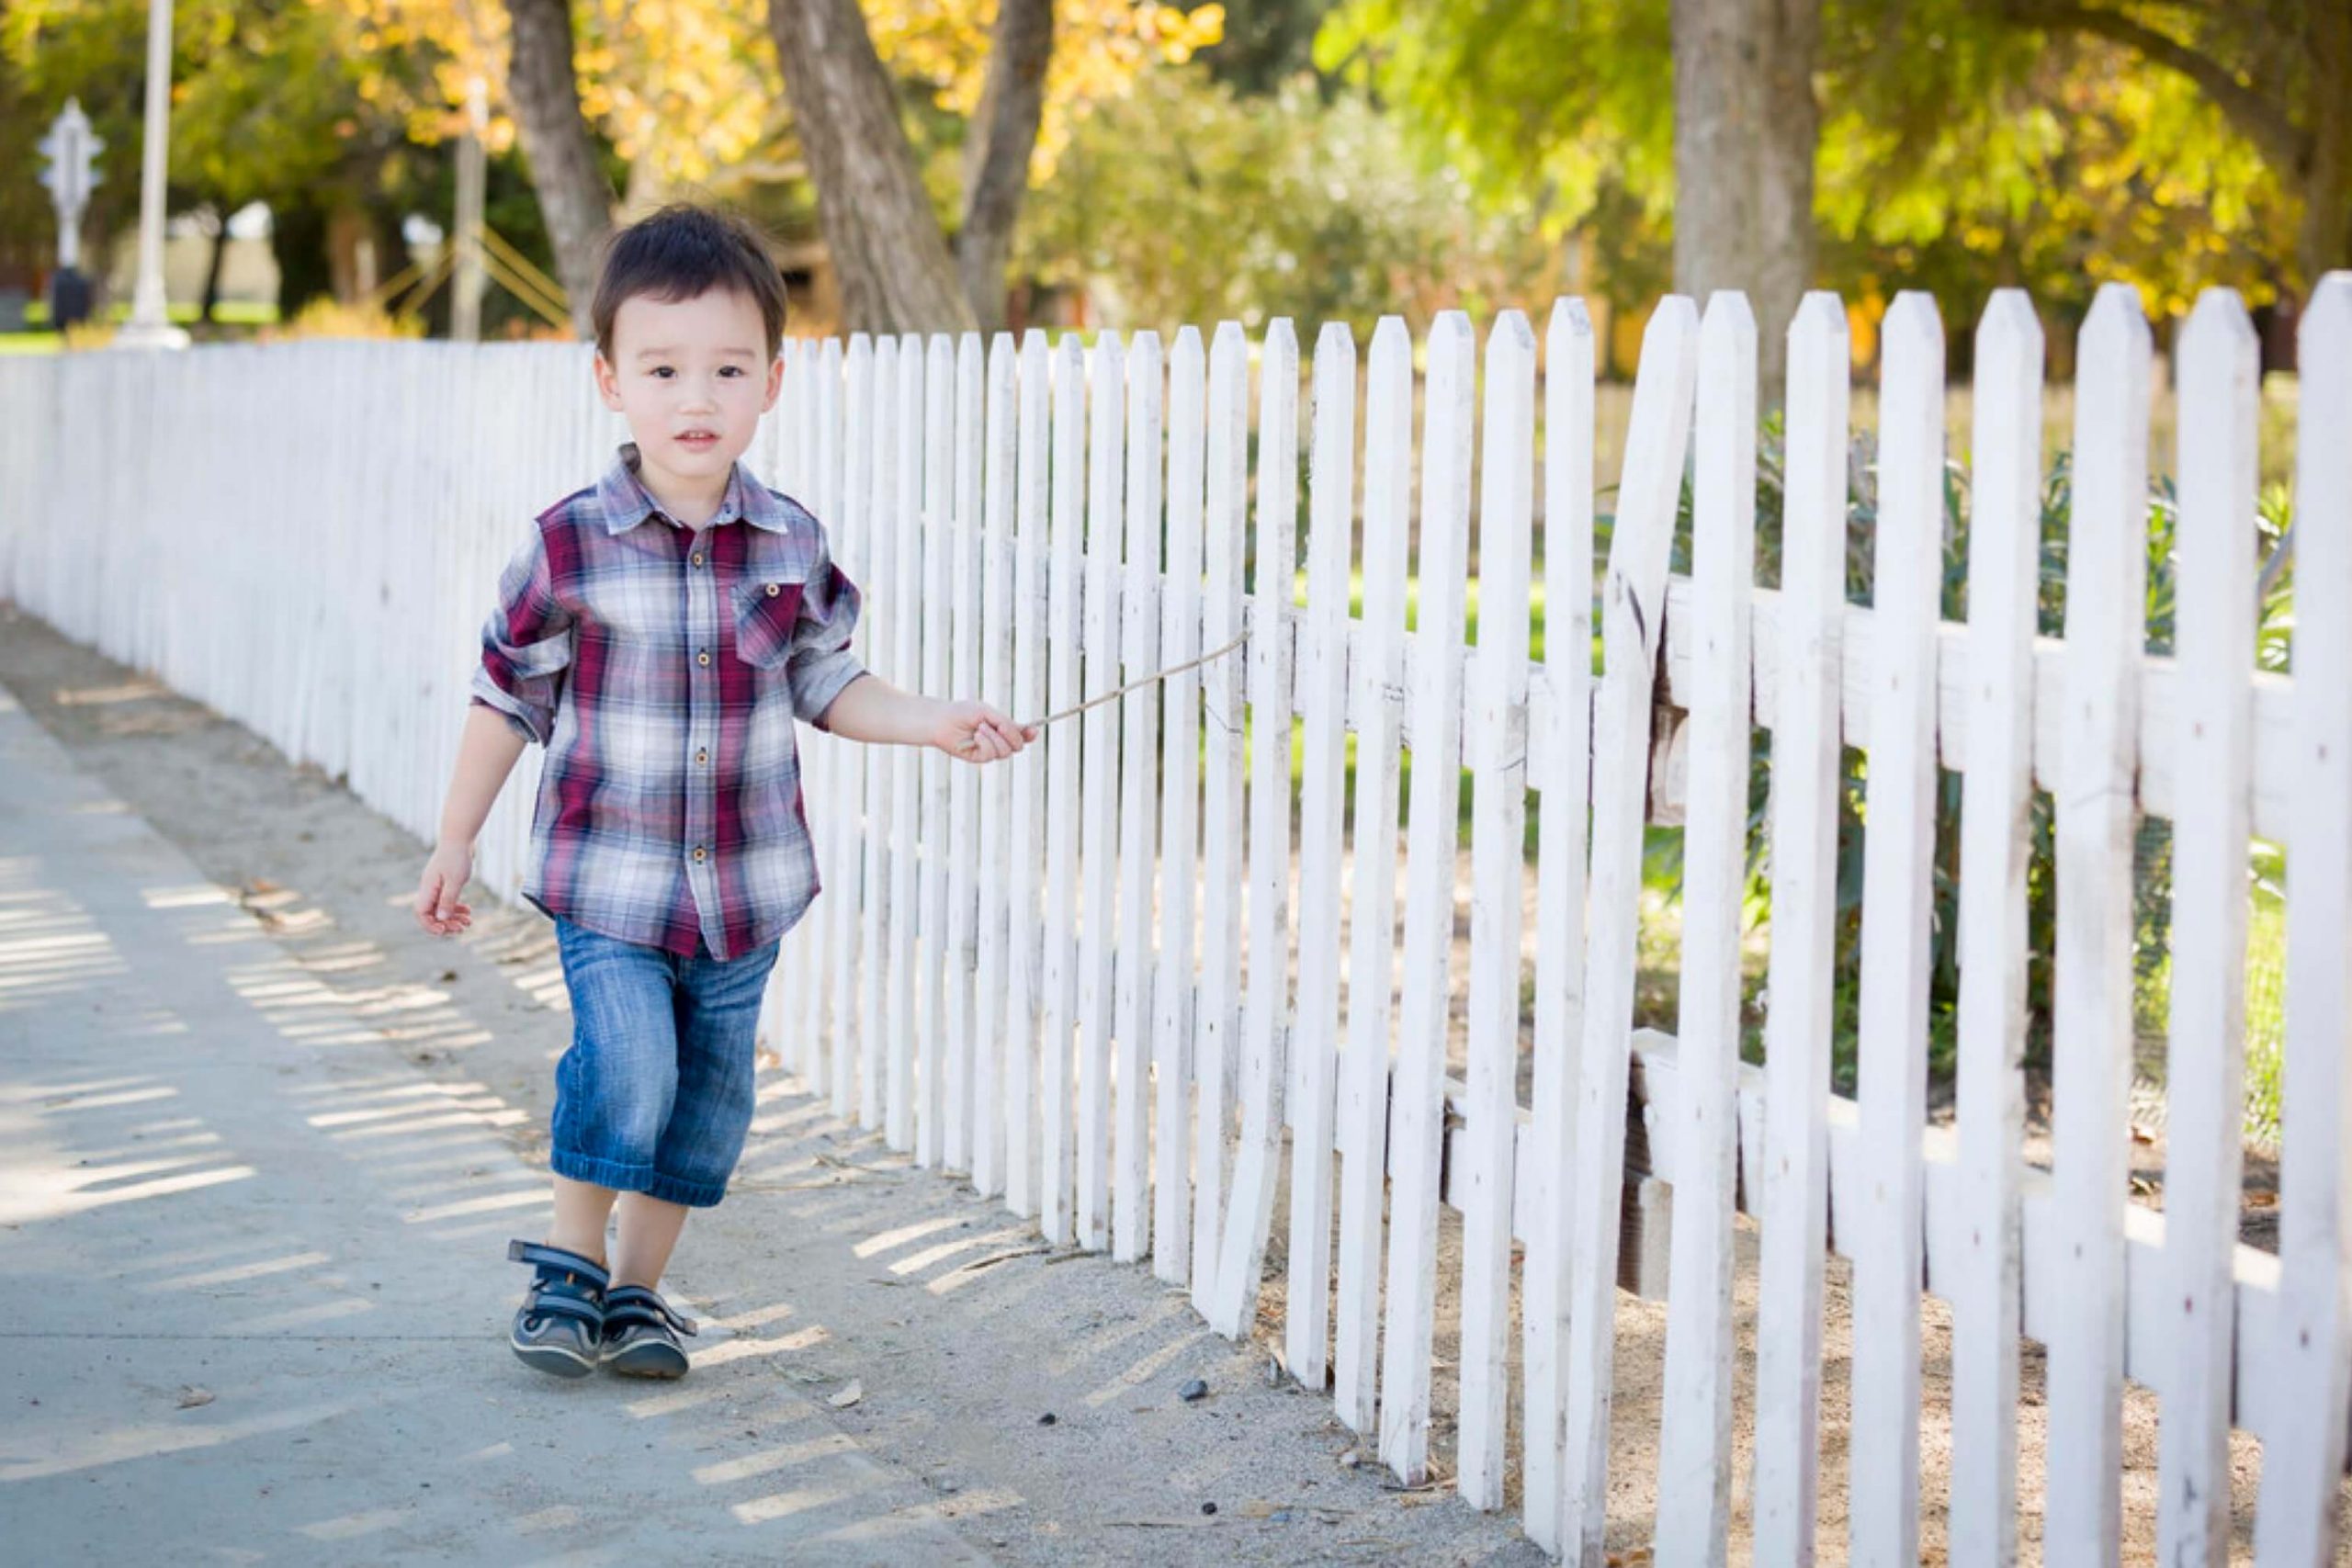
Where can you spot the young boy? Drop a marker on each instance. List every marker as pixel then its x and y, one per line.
pixel 660 633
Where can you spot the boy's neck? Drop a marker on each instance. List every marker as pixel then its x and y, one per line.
pixel 692 503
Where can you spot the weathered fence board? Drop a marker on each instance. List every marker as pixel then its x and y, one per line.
pixel 2091 990
pixel 1498 745
pixel 1632 595
pixel 1805 850
pixel 1249 1212
pixel 1884 1523
pixel 1416 1106
pixel 1323 699
pixel 1694 1439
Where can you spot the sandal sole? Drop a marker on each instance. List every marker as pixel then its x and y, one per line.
pixel 552 1359
pixel 649 1361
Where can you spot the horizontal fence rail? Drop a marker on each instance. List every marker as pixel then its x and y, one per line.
pixel 1152 977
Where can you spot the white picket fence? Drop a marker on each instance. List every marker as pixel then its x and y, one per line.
pixel 305 537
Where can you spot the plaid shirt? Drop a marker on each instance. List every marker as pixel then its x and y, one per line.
pixel 662 669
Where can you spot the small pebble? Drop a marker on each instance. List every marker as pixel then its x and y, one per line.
pixel 1351 1460
pixel 1208 1507
pixel 1196 1389
pixel 1047 1419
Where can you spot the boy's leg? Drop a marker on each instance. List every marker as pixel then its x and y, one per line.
pixel 718 1007
pixel 581 1210
pixel 717 1018
pixel 615 1086
pixel 649 1232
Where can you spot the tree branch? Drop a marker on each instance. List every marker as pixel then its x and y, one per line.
pixel 2263 120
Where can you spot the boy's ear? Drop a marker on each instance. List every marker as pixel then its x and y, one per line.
pixel 776 382
pixel 608 385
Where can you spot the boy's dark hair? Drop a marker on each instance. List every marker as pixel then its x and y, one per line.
pixel 684 251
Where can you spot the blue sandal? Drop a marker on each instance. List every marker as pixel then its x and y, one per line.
pixel 560 1328
pixel 642 1334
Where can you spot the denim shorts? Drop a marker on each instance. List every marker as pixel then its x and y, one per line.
pixel 654 1095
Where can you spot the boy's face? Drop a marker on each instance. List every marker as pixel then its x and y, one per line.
pixel 693 377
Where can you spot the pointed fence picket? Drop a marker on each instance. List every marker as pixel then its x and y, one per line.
pixel 1034 972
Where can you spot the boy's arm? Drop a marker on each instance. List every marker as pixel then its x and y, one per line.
pixel 870 708
pixel 486 754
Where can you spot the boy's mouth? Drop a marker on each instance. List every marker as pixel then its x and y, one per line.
pixel 698 440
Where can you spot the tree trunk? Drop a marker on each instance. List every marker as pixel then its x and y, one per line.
pixel 995 157
pixel 885 240
pixel 575 200
pixel 2326 240
pixel 1746 126
pixel 213 266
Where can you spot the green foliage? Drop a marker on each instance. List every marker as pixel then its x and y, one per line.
pixel 1961 150
pixel 1186 202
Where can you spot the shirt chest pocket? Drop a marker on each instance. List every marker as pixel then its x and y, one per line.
pixel 767 611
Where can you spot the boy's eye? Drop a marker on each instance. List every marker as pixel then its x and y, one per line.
pixel 663 371
pixel 731 370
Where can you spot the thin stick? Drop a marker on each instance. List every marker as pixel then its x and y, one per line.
pixel 1146 681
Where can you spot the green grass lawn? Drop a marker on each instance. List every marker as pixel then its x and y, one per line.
pixel 185 312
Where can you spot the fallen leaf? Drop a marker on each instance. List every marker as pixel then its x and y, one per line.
pixel 191 1396
pixel 767 1059
pixel 849 1396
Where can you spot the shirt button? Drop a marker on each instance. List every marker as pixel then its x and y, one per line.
pixel 697 559
pixel 702 756
pixel 703 657
pixel 772 589
pixel 699 852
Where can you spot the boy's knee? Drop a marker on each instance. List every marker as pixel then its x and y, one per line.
pixel 635 1109
pixel 612 1106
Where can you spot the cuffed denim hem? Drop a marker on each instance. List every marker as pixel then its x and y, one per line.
pixel 636 1179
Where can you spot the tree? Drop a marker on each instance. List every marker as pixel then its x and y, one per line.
pixel 1699 110
pixel 996 157
pixel 1013 88
pixel 886 244
pixel 1744 129
pixel 574 196
pixel 2280 73
pixel 2034 141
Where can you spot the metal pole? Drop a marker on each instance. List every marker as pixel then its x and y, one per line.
pixel 150 325
pixel 466 291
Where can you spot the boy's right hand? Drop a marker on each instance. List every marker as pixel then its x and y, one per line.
pixel 438 909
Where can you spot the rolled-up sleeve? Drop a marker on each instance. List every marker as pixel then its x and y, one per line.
pixel 820 665
pixel 525 645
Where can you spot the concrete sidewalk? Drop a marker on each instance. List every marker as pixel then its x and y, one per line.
pixel 261 1145
pixel 241 1325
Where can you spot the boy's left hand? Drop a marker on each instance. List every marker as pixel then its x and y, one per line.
pixel 975 732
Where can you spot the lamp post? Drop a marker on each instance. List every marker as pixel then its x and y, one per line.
pixel 73 154
pixel 150 326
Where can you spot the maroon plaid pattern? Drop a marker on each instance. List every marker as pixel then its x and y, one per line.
pixel 663 669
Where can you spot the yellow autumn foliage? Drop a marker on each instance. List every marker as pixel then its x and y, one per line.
pixel 688 88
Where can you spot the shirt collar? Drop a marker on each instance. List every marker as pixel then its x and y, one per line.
pixel 626 501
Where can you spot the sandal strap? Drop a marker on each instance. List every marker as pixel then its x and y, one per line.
pixel 635 1303
pixel 560 1299
pixel 558 1260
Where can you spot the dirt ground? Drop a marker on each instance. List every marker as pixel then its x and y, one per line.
pixel 332 878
